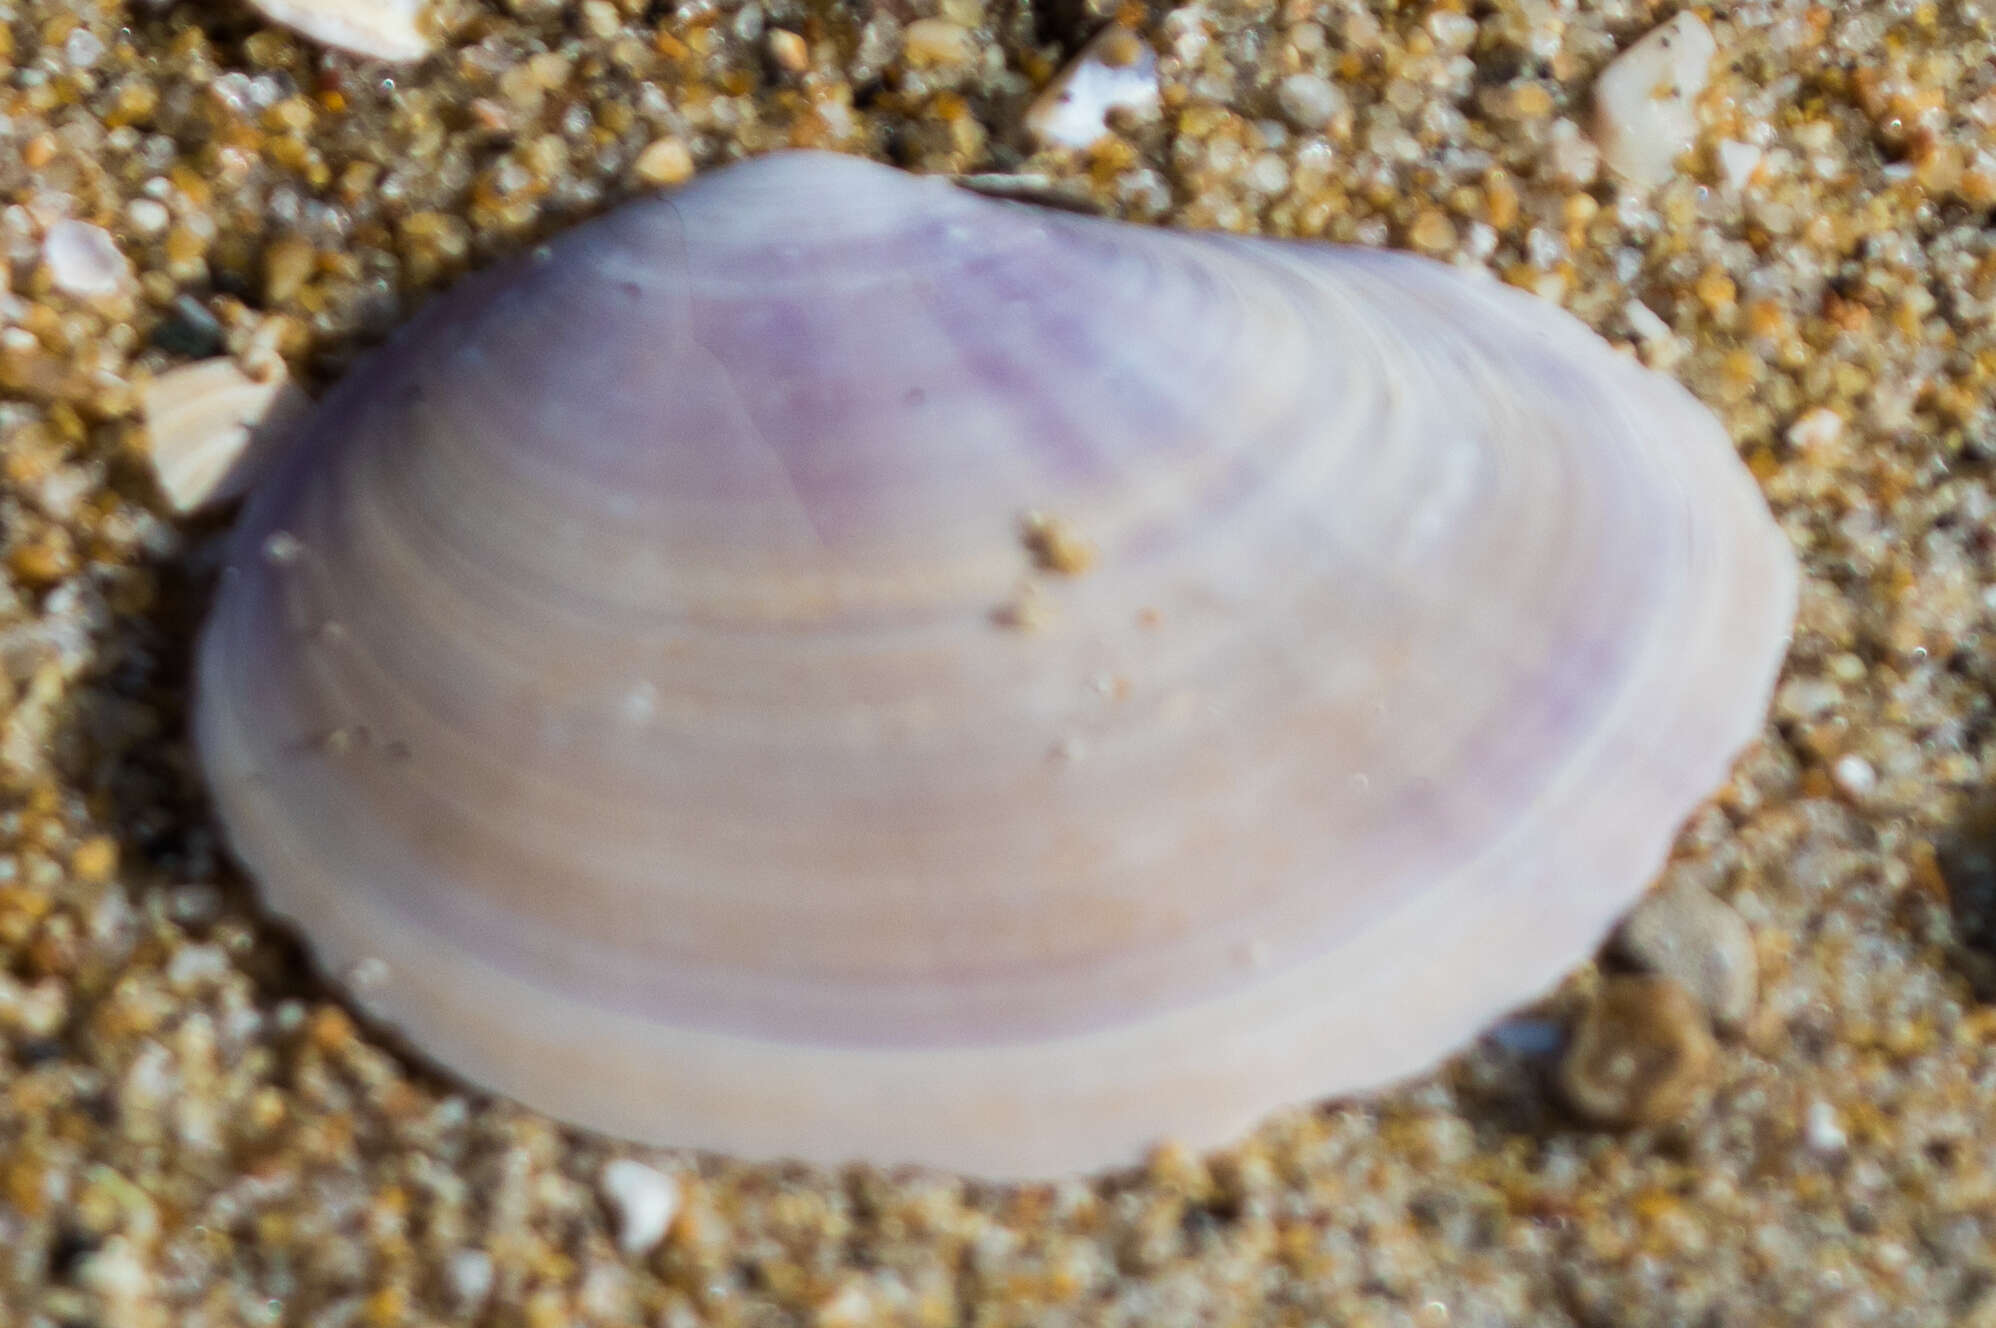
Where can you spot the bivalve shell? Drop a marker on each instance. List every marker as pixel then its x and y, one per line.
pixel 826 664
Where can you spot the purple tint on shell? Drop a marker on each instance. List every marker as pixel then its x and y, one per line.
pixel 734 777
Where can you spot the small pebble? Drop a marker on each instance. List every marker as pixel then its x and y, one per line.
pixel 83 259
pixel 1684 933
pixel 148 216
pixel 1853 776
pixel 194 905
pixel 1816 432
pixel 851 1306
pixel 937 42
pixel 1572 158
pixel 1432 233
pixel 787 50
pixel 601 18
pixel 1646 102
pixel 119 1275
pixel 666 161
pixel 469 1273
pixel 1645 322
pixel 642 1202
pixel 95 860
pixel 83 48
pixel 1822 1131
pixel 288 264
pixel 1308 101
pixel 1641 1055
pixel 36 1011
pixel 1056 546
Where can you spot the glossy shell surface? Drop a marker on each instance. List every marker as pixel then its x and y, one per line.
pixel 640 687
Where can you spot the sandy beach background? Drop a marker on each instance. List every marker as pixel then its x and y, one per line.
pixel 194 1132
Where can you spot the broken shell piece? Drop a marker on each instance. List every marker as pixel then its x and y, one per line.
pixel 1646 101
pixel 1738 163
pixel 380 29
pixel 212 428
pixel 643 1201
pixel 1117 71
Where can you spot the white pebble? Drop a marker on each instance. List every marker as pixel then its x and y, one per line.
pixel 1817 430
pixel 469 1273
pixel 117 1274
pixel 606 1293
pixel 148 216
pixel 1308 101
pixel 1269 174
pixel 84 259
pixel 1452 31
pixel 1822 1131
pixel 148 1081
pixel 937 43
pixel 37 1011
pixel 1854 775
pixel 1571 156
pixel 196 966
pixel 1646 101
pixel 197 1124
pixel 1645 322
pixel 642 1200
pixel 197 904
pixel 83 48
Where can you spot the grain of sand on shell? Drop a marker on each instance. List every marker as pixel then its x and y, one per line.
pixel 192 1132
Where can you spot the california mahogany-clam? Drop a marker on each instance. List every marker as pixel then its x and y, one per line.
pixel 825 664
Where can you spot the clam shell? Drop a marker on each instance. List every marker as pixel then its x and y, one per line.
pixel 641 687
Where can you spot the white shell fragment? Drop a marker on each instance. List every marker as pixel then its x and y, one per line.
pixel 84 260
pixel 1646 101
pixel 213 427
pixel 1115 71
pixel 643 1201
pixel 379 29
pixel 825 664
pixel 1738 163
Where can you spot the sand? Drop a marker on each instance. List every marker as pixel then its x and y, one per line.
pixel 194 1132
